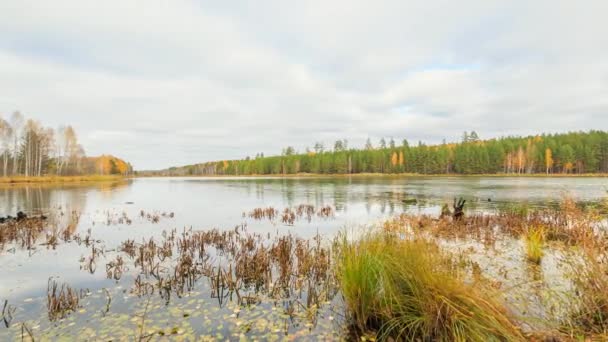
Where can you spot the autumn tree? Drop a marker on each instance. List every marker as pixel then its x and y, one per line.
pixel 394 159
pixel 30 149
pixel 548 160
pixel 6 133
pixel 16 124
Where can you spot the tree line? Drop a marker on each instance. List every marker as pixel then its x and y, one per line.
pixel 566 153
pixel 27 148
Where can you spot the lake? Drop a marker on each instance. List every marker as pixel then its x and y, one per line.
pixel 105 215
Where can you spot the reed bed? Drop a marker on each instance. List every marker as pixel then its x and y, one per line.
pixel 289 216
pixel 568 224
pixel 400 281
pixel 61 300
pixel 252 266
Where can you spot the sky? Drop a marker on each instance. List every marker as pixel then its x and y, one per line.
pixel 167 83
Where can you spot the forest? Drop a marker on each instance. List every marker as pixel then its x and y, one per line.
pixel 27 148
pixel 565 153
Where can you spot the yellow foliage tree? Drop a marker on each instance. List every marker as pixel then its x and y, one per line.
pixel 394 159
pixel 548 159
pixel 108 165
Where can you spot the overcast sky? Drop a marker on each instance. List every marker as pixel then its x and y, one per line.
pixel 164 83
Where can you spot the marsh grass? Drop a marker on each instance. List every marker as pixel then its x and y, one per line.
pixel 535 242
pixel 290 215
pixel 59 179
pixel 414 278
pixel 589 316
pixel 408 289
pixel 61 300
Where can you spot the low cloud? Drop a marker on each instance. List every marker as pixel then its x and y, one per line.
pixel 180 82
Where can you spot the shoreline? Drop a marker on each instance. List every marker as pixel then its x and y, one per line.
pixel 17 180
pixel 386 175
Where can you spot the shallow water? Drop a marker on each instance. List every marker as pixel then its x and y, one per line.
pixel 204 203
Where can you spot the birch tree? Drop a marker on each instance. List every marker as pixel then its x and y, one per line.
pixel 17 125
pixel 5 141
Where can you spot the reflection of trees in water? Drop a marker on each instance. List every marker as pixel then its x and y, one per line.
pixel 30 199
pixel 388 198
pixel 288 190
pixel 259 190
pixel 340 195
pixel 338 192
pixel 36 199
pixel 108 189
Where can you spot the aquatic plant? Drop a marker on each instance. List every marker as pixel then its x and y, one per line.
pixel 589 314
pixel 534 242
pixel 289 215
pixel 7 313
pixel 407 289
pixel 60 300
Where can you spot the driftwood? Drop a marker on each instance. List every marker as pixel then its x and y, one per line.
pixel 458 209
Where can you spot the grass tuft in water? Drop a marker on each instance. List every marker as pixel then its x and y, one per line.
pixel 60 300
pixel 589 316
pixel 410 290
pixel 535 242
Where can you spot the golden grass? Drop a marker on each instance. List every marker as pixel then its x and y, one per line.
pixel 410 290
pixel 535 242
pixel 589 316
pixel 58 179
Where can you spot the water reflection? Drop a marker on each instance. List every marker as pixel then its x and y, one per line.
pixel 218 201
pixel 204 203
pixel 36 199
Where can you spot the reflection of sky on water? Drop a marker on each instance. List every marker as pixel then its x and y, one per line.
pixel 204 203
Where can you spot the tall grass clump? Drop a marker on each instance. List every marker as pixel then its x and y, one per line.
pixel 535 241
pixel 589 316
pixel 410 290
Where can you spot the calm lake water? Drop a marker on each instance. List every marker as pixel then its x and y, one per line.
pixel 205 203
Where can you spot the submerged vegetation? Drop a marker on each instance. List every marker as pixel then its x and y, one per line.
pixel 570 153
pixel 456 276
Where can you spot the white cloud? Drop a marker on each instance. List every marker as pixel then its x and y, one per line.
pixel 169 83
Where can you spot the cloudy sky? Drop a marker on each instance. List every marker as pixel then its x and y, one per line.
pixel 164 83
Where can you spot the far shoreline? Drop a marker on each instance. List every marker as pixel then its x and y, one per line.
pixel 386 175
pixel 18 180
pixel 49 180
